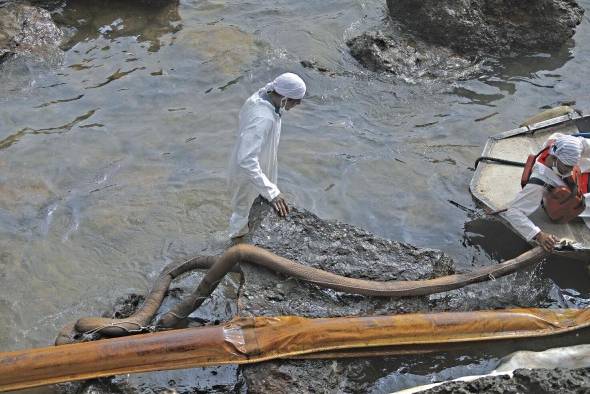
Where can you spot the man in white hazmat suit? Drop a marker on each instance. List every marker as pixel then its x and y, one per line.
pixel 253 163
pixel 560 157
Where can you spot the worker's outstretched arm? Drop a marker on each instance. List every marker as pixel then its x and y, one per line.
pixel 524 204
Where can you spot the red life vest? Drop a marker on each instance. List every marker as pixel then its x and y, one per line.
pixel 562 203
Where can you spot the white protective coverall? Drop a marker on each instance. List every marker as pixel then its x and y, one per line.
pixel 528 200
pixel 253 163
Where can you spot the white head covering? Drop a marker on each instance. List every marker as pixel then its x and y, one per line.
pixel 567 149
pixel 288 85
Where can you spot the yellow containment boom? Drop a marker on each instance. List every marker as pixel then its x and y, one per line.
pixel 251 340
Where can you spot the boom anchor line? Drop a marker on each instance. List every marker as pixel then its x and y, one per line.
pixel 219 266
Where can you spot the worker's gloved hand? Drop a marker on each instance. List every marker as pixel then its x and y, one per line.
pixel 280 205
pixel 546 241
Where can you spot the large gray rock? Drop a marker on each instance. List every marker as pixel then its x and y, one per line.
pixel 353 252
pixel 27 30
pixel 335 247
pixel 490 26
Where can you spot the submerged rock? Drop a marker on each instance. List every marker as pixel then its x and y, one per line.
pixel 225 47
pixel 29 31
pixel 490 26
pixel 148 21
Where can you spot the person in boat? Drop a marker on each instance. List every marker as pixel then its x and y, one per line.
pixel 557 179
pixel 253 163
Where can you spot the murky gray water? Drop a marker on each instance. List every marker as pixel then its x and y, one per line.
pixel 113 162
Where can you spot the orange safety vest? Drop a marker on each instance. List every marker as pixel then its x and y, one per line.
pixel 563 203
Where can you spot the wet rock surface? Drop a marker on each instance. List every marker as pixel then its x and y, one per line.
pixel 410 59
pixel 335 247
pixel 308 376
pixel 538 381
pixel 490 26
pixel 350 251
pixel 28 31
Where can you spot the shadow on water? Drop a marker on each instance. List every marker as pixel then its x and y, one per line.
pixel 112 19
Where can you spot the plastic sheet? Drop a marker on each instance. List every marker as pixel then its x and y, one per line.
pixel 250 340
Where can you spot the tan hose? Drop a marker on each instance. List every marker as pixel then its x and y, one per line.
pixel 251 340
pixel 243 253
pixel 254 255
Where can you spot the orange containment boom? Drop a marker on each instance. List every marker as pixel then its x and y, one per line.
pixel 251 340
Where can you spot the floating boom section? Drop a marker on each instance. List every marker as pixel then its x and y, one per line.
pixel 251 340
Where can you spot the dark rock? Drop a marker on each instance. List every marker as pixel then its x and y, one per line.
pixel 409 60
pixel 490 26
pixel 538 381
pixel 338 248
pixel 49 5
pixel 307 376
pixel 29 31
pixel 334 247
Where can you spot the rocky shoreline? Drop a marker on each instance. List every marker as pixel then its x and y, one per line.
pixel 339 248
pixel 436 40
